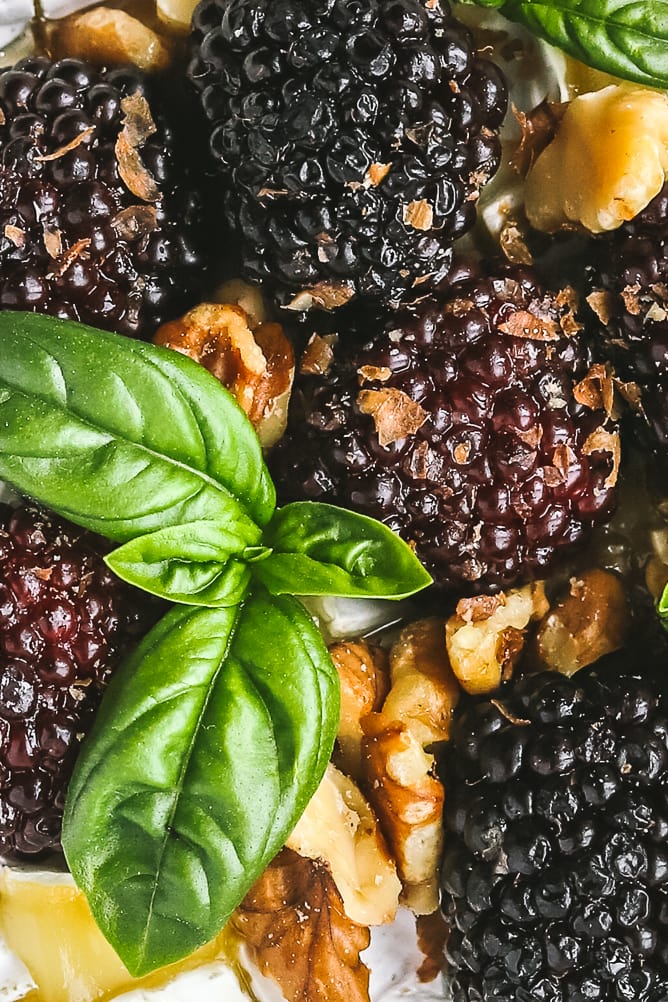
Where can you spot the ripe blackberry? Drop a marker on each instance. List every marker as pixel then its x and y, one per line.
pixel 77 239
pixel 555 874
pixel 629 279
pixel 353 136
pixel 461 432
pixel 65 621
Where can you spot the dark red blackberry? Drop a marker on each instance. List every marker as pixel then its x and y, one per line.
pixel 498 467
pixel 628 277
pixel 75 240
pixel 65 621
pixel 555 874
pixel 353 136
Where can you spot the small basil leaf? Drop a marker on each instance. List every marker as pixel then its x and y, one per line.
pixel 120 436
pixel 190 563
pixel 318 549
pixel 628 38
pixel 208 745
pixel 662 608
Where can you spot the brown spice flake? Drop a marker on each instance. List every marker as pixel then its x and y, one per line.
pixel 82 137
pixel 563 458
pixel 135 222
pixel 370 373
pixel 462 452
pixel 602 303
pixel 419 214
pixel 326 295
pixel 16 235
pixel 394 414
pixel 138 125
pixel 602 440
pixel 375 174
pixel 531 437
pixel 417 466
pixel 272 192
pixel 53 241
pixel 480 607
pixel 631 392
pixel 318 355
pixel 528 325
pixel 509 646
pixel 656 313
pixel 68 257
pixel 597 390
pixel 632 299
pixel 513 244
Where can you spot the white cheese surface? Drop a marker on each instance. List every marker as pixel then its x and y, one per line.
pixel 15 979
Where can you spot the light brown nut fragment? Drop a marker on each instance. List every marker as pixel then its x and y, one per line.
pixel 340 830
pixel 294 922
pixel 606 163
pixel 106 36
pixel 483 649
pixel 408 800
pixel 424 689
pixel 364 677
pixel 256 366
pixel 176 13
pixel 248 297
pixel 589 622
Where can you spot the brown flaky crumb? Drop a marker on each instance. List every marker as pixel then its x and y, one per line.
pixel 529 325
pixel 419 214
pixel 602 303
pixel 479 608
pixel 138 125
pixel 135 222
pixel 318 355
pixel 373 373
pixel 513 244
pixel 53 241
pixel 602 440
pixel 16 235
pixel 326 295
pixel 375 174
pixel 80 138
pixel 394 414
pixel 68 257
pixel 597 390
pixel 294 922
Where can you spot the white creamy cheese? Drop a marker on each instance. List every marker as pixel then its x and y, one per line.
pixel 15 979
pixel 210 983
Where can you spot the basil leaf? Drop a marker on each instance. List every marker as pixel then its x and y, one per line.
pixel 662 608
pixel 194 564
pixel 120 436
pixel 628 38
pixel 318 549
pixel 208 745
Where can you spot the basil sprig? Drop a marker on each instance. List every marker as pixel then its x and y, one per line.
pixel 214 735
pixel 627 38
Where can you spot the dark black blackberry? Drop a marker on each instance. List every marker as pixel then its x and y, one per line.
pixel 75 240
pixel 628 277
pixel 65 621
pixel 567 889
pixel 457 425
pixel 353 136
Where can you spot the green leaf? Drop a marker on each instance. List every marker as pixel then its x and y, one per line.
pixel 209 743
pixel 662 608
pixel 197 564
pixel 122 437
pixel 318 549
pixel 627 38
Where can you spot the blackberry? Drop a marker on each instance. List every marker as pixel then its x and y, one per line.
pixel 555 876
pixel 460 432
pixel 352 135
pixel 65 621
pixel 629 279
pixel 75 241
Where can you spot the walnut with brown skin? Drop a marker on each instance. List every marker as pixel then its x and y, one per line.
pixel 588 622
pixel 106 36
pixel 364 677
pixel 256 363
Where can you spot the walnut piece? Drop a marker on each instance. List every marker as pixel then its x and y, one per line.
pixel 294 922
pixel 106 35
pixel 257 366
pixel 606 163
pixel 176 13
pixel 590 621
pixel 483 652
pixel 340 830
pixel 364 677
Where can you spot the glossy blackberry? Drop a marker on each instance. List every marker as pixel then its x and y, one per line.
pixel 65 621
pixel 75 240
pixel 629 281
pixel 353 136
pixel 460 432
pixel 555 876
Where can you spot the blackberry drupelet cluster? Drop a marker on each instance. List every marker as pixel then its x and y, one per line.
pixel 499 468
pixel 629 279
pixel 353 137
pixel 555 877
pixel 65 621
pixel 75 240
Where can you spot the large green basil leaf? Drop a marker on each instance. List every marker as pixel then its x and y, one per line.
pixel 207 747
pixel 201 563
pixel 628 38
pixel 120 436
pixel 318 549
